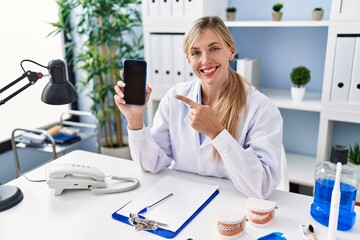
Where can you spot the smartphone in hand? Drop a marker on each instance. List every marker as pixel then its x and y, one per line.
pixel 134 76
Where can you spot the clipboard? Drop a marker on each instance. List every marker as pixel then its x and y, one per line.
pixel 192 197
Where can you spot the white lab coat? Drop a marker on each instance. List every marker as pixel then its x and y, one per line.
pixel 252 161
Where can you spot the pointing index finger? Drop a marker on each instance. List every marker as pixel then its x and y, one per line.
pixel 187 101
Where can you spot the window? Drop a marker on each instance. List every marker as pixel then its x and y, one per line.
pixel 24 27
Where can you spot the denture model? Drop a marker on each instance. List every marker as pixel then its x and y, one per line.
pixel 261 213
pixel 231 224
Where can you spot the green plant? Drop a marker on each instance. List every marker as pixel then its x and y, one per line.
pixel 105 34
pixel 277 7
pixel 300 76
pixel 318 9
pixel 231 9
pixel 354 154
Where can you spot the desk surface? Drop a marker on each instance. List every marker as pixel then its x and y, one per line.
pixel 80 214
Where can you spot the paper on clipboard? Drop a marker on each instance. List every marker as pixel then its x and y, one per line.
pixel 187 198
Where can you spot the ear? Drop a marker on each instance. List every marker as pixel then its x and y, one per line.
pixel 232 54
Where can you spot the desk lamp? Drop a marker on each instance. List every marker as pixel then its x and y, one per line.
pixel 58 91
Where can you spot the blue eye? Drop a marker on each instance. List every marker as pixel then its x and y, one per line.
pixel 195 53
pixel 213 49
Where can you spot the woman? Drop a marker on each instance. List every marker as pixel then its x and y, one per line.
pixel 216 125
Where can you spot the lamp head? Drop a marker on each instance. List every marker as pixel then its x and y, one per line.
pixel 59 90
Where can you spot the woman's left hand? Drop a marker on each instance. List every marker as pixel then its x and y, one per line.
pixel 203 118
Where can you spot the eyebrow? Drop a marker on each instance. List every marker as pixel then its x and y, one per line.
pixel 210 45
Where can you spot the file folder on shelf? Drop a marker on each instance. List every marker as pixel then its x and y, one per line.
pixel 343 63
pixel 187 200
pixel 350 7
pixel 191 8
pixel 355 78
pixel 165 8
pixel 155 58
pixel 189 74
pixel 178 8
pixel 179 58
pixel 167 66
pixel 154 7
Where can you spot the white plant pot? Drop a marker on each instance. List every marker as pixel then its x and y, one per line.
pixel 120 152
pixel 297 94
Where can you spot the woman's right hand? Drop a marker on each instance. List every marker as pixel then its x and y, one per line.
pixel 134 114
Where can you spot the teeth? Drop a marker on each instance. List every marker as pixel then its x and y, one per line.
pixel 259 217
pixel 210 70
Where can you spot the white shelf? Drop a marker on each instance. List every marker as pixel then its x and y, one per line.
pixel 182 25
pixel 277 23
pixel 47 147
pixel 282 99
pixel 301 169
pixel 343 112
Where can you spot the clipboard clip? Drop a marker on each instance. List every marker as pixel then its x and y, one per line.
pixel 142 224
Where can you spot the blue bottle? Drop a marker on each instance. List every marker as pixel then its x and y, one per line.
pixel 325 174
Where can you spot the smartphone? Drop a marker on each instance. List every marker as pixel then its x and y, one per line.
pixel 134 76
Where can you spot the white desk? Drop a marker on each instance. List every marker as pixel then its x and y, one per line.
pixel 82 215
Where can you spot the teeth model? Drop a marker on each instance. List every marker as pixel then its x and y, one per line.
pixel 260 217
pixel 260 212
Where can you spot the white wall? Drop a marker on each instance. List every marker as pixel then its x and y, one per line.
pixel 24 26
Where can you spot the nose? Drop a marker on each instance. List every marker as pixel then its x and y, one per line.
pixel 206 58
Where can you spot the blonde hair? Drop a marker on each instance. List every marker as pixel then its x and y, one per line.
pixel 232 103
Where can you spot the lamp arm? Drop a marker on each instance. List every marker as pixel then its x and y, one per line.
pixel 32 76
pixel 13 82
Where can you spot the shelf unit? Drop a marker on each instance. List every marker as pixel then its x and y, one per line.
pixel 301 166
pixel 277 24
pixel 88 130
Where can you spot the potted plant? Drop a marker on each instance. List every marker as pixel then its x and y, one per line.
pixel 102 34
pixel 300 76
pixel 354 159
pixel 317 14
pixel 277 13
pixel 230 13
pixel 354 154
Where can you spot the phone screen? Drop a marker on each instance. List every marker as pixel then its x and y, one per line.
pixel 135 79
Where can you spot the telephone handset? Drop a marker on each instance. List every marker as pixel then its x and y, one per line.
pixel 63 176
pixel 63 170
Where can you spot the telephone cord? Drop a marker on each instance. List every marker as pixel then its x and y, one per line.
pixel 106 190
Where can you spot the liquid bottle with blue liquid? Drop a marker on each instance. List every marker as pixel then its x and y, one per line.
pixel 325 174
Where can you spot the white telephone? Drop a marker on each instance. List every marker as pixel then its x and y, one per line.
pixel 63 176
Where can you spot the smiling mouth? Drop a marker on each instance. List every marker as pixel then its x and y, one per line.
pixel 209 71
